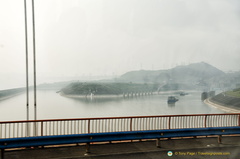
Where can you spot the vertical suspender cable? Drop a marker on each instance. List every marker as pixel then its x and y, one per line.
pixel 34 62
pixel 26 47
pixel 34 70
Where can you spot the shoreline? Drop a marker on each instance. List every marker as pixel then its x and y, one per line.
pixel 221 107
pixel 105 96
pixel 10 96
pixel 121 95
pixel 90 96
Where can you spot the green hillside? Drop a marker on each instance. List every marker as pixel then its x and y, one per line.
pixel 234 93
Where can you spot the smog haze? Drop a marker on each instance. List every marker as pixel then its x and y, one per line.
pixel 88 38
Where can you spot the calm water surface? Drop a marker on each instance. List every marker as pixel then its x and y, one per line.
pixel 51 105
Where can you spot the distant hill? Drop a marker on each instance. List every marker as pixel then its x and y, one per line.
pixel 193 76
pixel 192 73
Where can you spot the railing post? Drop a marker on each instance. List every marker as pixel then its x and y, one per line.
pixel 87 149
pixel 158 144
pixel 88 125
pixel 219 139
pixel 205 121
pixel 88 144
pixel 130 124
pixel 2 153
pixel 169 123
pixel 35 128
pixel 41 128
pixel 238 120
pixel 27 129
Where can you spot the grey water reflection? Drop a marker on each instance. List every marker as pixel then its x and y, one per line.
pixel 171 105
pixel 98 100
pixel 51 105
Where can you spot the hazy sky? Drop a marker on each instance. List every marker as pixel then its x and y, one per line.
pixel 110 37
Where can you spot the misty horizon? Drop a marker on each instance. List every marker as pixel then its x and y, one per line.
pixel 109 38
pixel 86 78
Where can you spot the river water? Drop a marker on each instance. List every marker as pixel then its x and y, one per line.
pixel 51 105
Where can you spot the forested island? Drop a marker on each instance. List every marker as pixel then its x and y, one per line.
pixel 84 89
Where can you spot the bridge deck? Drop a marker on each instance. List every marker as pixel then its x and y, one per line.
pixel 136 150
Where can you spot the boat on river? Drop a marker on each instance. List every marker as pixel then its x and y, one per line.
pixel 172 99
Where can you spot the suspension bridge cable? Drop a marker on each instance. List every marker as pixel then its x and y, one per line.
pixel 34 62
pixel 26 48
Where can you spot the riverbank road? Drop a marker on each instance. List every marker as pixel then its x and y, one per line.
pixel 179 148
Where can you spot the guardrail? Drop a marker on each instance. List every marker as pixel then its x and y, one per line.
pixel 113 136
pixel 16 129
